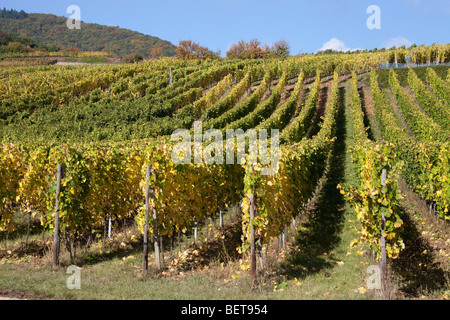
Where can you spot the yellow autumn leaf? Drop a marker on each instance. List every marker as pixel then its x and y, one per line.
pixel 245 267
pixel 353 243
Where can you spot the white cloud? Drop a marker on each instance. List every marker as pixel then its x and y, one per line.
pixel 412 3
pixel 336 45
pixel 397 42
pixel 429 6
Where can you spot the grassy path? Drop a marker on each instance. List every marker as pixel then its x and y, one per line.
pixel 320 262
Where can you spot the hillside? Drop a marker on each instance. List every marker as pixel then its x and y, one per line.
pixel 48 29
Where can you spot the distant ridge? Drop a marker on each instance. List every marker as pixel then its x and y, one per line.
pixel 49 29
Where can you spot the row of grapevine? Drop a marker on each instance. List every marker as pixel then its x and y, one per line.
pixel 296 129
pixel 146 83
pixel 199 78
pixel 263 110
pixel 64 84
pixel 284 113
pixel 185 116
pixel 212 96
pixel 423 126
pixel 432 106
pixel 163 84
pixel 279 197
pixel 246 106
pixel 419 55
pixel 375 201
pixel 55 86
pixel 167 104
pixel 430 54
pixel 439 86
pixel 425 163
pixel 231 99
pixel 108 180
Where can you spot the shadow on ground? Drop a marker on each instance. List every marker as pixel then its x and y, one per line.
pixel 320 112
pixel 418 271
pixel 320 233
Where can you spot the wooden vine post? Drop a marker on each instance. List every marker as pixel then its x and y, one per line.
pixel 252 237
pixel 383 260
pixel 155 222
pixel 195 231
pixel 260 256
pixel 59 176
pixel 150 194
pixel 147 209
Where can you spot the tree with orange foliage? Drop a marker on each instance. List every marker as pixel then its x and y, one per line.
pixel 188 49
pixel 250 50
pixel 157 51
pixel 256 51
pixel 237 50
pixel 72 49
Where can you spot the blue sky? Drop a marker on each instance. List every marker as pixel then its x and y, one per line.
pixel 307 25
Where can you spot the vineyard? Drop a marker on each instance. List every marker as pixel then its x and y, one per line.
pixel 87 151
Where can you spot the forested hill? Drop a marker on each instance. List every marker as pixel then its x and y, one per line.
pixel 49 29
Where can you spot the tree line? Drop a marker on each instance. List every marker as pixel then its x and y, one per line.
pixel 254 49
pixel 10 42
pixel 13 14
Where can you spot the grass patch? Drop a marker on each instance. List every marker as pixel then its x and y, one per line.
pixel 87 60
pixel 71 60
pixel 93 60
